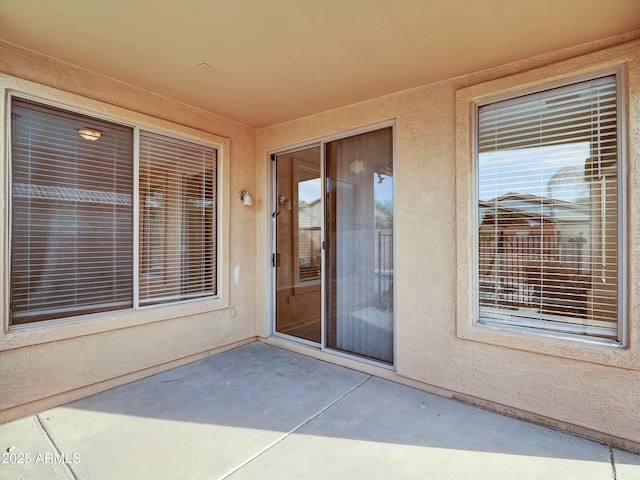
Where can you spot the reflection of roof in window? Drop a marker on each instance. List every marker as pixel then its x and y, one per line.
pixel 533 200
pixel 531 207
pixel 310 204
pixel 47 192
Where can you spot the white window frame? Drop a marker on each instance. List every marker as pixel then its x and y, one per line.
pixel 137 304
pixel 468 326
pixel 537 325
pixel 73 326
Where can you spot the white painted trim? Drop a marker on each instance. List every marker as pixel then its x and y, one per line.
pixel 323 239
pixel 623 213
pixel 136 217
pixel 5 294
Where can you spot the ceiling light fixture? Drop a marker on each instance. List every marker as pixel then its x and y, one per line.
pixel 90 134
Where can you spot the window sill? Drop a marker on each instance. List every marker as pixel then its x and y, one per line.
pixel 556 344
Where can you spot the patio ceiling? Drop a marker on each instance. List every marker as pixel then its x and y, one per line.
pixel 270 61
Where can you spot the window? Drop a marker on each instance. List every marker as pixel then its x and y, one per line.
pixel 549 212
pixel 177 220
pixel 73 230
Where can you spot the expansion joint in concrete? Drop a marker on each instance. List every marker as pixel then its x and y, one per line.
pixel 612 461
pixel 55 448
pixel 295 429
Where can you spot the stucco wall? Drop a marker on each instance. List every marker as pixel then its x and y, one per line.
pixel 567 382
pixel 43 365
pixel 579 384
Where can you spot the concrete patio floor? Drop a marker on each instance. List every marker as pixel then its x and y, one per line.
pixel 260 412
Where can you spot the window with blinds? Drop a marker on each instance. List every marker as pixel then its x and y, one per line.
pixel 548 210
pixel 73 235
pixel 71 214
pixel 177 220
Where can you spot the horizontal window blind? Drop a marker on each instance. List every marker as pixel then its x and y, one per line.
pixel 177 242
pixel 71 214
pixel 547 182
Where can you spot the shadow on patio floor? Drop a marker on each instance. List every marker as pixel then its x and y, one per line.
pixel 261 412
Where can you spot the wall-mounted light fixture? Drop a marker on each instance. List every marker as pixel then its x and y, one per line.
pixel 245 197
pixel 89 134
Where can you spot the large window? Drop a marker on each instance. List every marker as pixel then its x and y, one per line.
pixel 74 235
pixel 549 211
pixel 177 220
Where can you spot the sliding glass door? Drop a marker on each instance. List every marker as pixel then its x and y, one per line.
pixel 359 243
pixel 298 256
pixel 333 255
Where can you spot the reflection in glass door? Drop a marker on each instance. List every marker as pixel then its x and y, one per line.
pixel 298 258
pixel 359 245
pixel 343 300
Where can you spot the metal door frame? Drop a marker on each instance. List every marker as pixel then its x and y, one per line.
pixel 271 249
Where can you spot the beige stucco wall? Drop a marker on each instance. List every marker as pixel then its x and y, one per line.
pixel 572 383
pixel 43 365
pixel 562 382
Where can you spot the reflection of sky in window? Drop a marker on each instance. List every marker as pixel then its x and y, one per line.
pixel 530 171
pixel 310 190
pixel 383 191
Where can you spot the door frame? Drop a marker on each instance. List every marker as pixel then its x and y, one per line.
pixel 272 206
